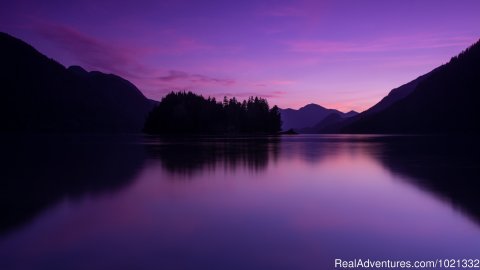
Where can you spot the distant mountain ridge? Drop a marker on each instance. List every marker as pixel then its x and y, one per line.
pixel 335 124
pixel 41 95
pixel 308 116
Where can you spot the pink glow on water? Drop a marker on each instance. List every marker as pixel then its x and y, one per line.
pixel 299 201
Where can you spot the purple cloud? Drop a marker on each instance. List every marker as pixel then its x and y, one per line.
pixel 379 45
pixel 269 94
pixel 94 53
pixel 126 61
pixel 175 75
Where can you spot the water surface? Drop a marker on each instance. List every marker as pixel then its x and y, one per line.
pixel 292 202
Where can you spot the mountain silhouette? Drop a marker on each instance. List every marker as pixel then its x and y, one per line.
pixel 335 124
pixel 41 95
pixel 329 120
pixel 443 101
pixel 308 116
pixel 396 95
pixel 350 114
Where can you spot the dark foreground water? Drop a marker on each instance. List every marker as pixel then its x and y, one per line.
pixel 299 202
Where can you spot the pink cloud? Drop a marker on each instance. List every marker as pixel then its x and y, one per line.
pixel 379 45
pixel 129 61
pixel 205 79
pixel 175 75
pixel 94 53
pixel 270 84
pixel 269 94
pixel 281 82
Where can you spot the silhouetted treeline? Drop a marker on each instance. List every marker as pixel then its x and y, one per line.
pixel 189 113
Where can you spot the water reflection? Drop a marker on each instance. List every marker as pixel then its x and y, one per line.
pixel 190 156
pixel 39 171
pixel 250 203
pixel 447 166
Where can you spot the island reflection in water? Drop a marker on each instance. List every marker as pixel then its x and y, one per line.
pixel 299 202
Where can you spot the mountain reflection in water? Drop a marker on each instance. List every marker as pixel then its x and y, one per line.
pixel 285 202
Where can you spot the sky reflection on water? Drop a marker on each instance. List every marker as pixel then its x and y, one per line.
pixel 240 203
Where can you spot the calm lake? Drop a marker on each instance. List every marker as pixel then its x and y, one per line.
pixel 291 202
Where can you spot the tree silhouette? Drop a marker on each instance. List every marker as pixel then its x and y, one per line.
pixel 189 113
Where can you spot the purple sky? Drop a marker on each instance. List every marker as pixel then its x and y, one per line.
pixel 339 54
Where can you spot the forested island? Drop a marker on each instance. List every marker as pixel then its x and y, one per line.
pixel 190 113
